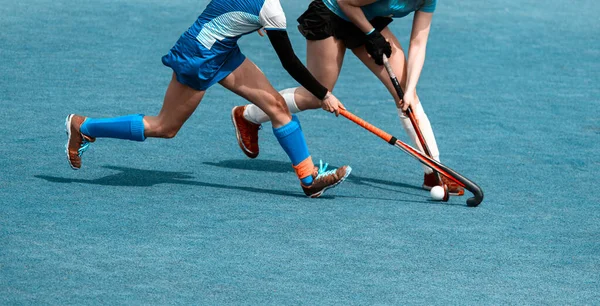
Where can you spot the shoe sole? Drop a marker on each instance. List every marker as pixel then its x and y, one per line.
pixel 456 194
pixel 318 194
pixel 239 138
pixel 68 131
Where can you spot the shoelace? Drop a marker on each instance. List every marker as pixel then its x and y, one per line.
pixel 84 146
pixel 322 170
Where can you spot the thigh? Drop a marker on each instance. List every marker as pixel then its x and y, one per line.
pixel 251 84
pixel 397 61
pixel 324 59
pixel 324 52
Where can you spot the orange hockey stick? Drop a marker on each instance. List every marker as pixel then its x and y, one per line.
pixel 426 160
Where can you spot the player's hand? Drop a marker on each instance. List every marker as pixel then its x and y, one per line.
pixel 377 46
pixel 261 32
pixel 410 99
pixel 332 104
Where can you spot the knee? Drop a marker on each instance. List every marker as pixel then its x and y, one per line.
pixel 281 105
pixel 277 106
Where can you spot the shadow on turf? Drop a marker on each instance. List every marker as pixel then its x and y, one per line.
pixel 146 178
pixel 284 167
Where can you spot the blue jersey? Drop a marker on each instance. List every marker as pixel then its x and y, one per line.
pixel 223 22
pixel 384 8
pixel 208 51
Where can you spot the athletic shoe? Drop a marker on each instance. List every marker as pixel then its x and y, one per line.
pixel 430 180
pixel 323 179
pixel 77 143
pixel 246 132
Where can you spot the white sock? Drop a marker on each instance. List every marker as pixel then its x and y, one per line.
pixel 254 114
pixel 425 127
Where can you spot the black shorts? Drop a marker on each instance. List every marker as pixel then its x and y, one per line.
pixel 319 22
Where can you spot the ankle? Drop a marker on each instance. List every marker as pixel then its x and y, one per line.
pixel 307 181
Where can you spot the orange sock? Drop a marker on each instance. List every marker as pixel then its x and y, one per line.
pixel 304 170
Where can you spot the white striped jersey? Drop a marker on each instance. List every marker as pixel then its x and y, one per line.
pixel 223 22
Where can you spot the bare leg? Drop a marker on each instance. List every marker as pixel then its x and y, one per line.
pixel 398 63
pixel 324 59
pixel 179 104
pixel 250 83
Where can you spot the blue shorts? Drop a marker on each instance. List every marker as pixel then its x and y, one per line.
pixel 198 67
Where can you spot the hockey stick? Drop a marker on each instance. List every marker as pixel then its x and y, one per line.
pixel 425 160
pixel 413 120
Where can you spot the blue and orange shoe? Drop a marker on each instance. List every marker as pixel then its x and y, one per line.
pixel 323 179
pixel 77 143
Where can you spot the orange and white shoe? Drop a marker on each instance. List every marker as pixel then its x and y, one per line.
pixel 246 132
pixel 77 143
pixel 323 179
pixel 430 180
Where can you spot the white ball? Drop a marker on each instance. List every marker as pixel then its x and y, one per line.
pixel 437 193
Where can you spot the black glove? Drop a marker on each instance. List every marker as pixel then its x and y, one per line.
pixel 377 46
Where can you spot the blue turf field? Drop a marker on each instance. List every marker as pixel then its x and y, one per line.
pixel 511 88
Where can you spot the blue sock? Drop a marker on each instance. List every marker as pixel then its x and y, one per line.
pixel 307 181
pixel 295 119
pixel 292 141
pixel 127 127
